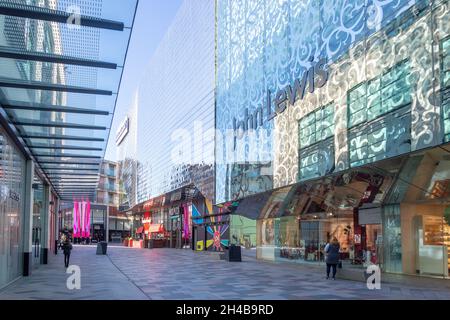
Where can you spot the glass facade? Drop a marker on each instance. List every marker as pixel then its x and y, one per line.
pixel 331 113
pixel 445 49
pixel 379 83
pixel 175 108
pixel 12 169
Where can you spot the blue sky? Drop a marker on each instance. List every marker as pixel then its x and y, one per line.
pixel 153 18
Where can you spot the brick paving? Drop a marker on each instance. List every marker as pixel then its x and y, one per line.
pixel 127 273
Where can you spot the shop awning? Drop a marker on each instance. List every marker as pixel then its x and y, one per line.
pixel 140 230
pixel 156 228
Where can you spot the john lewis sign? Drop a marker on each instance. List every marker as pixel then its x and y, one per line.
pixel 314 77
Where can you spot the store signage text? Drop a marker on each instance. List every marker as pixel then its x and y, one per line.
pixel 123 131
pixel 288 95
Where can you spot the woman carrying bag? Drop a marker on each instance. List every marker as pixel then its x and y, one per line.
pixel 332 259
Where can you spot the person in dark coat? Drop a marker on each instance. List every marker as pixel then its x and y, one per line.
pixel 67 248
pixel 332 259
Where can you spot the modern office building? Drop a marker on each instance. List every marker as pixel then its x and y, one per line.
pixel 168 154
pixel 56 105
pixel 333 121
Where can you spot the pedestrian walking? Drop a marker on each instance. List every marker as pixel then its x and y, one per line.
pixel 67 248
pixel 61 241
pixel 332 258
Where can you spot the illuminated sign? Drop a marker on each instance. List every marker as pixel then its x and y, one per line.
pixel 124 128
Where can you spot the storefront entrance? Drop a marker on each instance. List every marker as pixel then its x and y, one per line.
pixel 426 240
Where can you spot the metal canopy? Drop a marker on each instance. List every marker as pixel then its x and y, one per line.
pixel 9 8
pixel 65 147
pixel 53 58
pixel 36 85
pixel 56 125
pixel 50 108
pixel 60 137
pixel 60 73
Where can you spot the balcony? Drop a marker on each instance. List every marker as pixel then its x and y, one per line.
pixel 108 187
pixel 108 200
pixel 108 172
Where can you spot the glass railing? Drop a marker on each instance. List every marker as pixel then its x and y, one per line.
pixel 108 172
pixel 108 187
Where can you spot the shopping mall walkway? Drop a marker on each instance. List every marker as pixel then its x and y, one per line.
pixel 128 273
pixel 100 280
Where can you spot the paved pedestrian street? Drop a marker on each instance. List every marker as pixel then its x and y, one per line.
pixel 127 273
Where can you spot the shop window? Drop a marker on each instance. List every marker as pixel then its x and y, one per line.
pixel 243 231
pixel 392 238
pixel 379 96
pixel 445 48
pixel 316 143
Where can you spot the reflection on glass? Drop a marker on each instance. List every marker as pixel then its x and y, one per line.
pixel 243 231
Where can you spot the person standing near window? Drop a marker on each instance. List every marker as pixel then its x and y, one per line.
pixel 332 259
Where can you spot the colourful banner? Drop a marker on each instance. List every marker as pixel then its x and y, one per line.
pixel 81 219
pixel 186 222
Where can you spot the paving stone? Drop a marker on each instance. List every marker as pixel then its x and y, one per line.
pixel 183 274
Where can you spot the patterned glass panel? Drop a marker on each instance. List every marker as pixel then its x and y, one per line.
pixel 317 126
pixel 316 160
pixel 374 98
pixel 446 87
pixel 389 136
pixel 264 45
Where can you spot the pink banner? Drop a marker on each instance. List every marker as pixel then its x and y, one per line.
pixel 88 216
pixel 75 220
pixel 81 219
pixel 186 218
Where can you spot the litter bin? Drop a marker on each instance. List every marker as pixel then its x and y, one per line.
pixel 102 246
pixel 233 254
pixel 150 244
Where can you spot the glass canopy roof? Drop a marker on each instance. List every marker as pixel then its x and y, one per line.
pixel 61 64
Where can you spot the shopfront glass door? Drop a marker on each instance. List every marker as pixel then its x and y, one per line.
pixel 38 215
pixel 11 211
